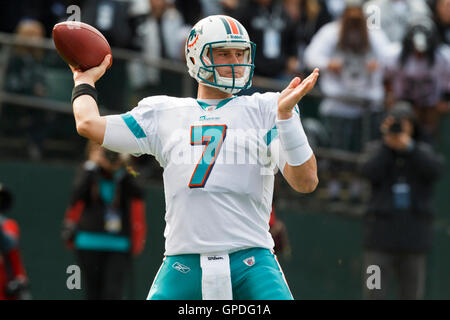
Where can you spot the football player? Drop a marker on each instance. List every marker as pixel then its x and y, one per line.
pixel 219 153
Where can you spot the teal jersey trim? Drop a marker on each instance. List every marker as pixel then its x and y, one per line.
pixel 270 135
pixel 224 102
pixel 101 241
pixel 133 126
pixel 204 105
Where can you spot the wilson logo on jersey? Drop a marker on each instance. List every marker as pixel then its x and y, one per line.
pixel 249 261
pixel 214 258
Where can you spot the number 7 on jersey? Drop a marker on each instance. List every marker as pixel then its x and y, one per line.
pixel 212 136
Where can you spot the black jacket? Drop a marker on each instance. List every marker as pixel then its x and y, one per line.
pixel 393 227
pixel 93 214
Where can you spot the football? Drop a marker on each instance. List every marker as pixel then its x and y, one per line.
pixel 80 45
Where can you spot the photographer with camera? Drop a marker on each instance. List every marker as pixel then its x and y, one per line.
pixel 401 170
pixel 105 222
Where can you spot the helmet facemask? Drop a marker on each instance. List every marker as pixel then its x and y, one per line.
pixel 209 73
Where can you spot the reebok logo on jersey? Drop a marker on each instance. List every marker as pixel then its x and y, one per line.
pixel 250 261
pixel 180 267
pixel 214 258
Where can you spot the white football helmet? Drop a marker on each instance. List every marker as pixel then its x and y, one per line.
pixel 219 31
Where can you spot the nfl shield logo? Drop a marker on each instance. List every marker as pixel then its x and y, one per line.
pixel 249 261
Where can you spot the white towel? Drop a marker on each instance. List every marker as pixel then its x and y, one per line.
pixel 216 277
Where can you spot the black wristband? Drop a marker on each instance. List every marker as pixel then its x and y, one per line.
pixel 83 89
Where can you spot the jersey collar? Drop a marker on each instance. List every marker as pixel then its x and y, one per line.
pixel 221 103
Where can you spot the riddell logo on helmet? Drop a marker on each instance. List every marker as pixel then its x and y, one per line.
pixel 235 36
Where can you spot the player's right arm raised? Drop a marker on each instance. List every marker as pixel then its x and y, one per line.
pixel 88 121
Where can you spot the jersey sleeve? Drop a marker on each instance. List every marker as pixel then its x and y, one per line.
pixel 134 132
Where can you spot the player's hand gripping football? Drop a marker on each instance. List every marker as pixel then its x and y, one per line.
pixel 296 90
pixel 92 75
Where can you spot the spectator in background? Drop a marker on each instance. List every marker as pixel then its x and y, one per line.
pixel 308 17
pixel 441 17
pixel 419 73
pixel 160 34
pixel 192 11
pixel 113 19
pixel 224 7
pixel 24 72
pixel 351 59
pixel 13 279
pixel 25 75
pixel 335 8
pixel 396 14
pixel 12 12
pixel 105 223
pixel 49 12
pixel 272 31
pixel 402 170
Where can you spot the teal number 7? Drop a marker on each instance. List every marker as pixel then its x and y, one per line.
pixel 212 136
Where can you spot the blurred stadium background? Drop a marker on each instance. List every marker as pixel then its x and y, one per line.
pixel 41 151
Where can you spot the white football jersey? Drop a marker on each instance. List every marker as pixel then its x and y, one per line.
pixel 219 163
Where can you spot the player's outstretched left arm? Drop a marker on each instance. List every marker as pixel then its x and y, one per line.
pixel 301 177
